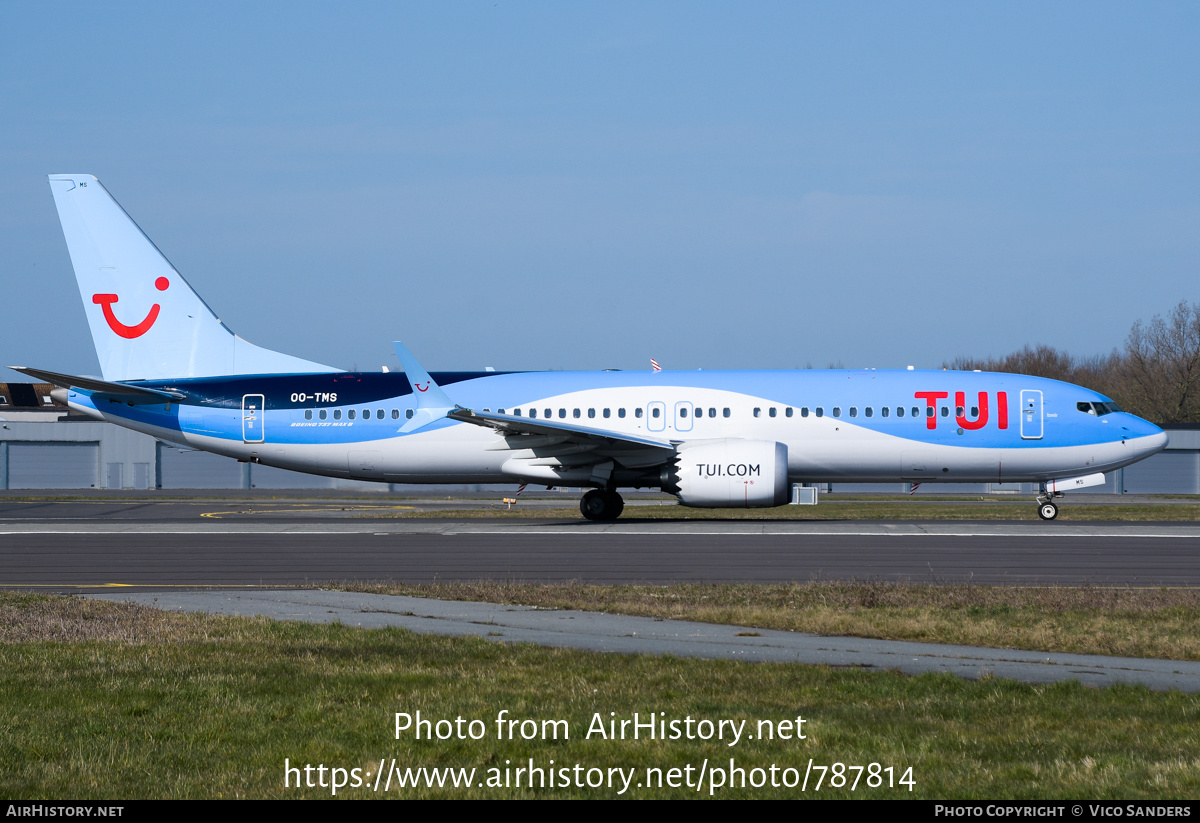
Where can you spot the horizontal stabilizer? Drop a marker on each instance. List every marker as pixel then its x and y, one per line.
pixel 131 394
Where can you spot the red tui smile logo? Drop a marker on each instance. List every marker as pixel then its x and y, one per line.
pixel 105 301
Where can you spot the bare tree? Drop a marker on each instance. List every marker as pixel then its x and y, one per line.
pixel 1159 375
pixel 1039 361
pixel 1155 376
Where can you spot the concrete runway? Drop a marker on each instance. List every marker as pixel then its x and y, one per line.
pixel 90 544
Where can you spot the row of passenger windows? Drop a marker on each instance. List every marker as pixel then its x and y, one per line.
pixel 656 411
pixel 323 414
pixel 817 411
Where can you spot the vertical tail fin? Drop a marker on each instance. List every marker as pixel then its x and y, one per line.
pixel 147 323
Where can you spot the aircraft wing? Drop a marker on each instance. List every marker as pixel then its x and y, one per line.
pixel 127 393
pixel 550 438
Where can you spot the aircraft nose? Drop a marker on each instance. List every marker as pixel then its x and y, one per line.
pixel 1148 437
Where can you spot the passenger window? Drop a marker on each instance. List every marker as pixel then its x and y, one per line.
pixel 379 414
pixel 868 411
pixel 771 412
pixel 945 411
pixel 337 414
pixel 804 411
pixel 854 411
pixel 899 411
pixel 757 412
pixel 562 413
pixel 366 414
pixel 712 412
pixel 928 411
pixel 322 414
pixel 620 412
pixel 837 411
pixel 974 411
pixel 548 413
pixel 787 412
pixel 683 411
pixel 533 412
pixel 408 413
pixel 725 411
pixel 820 411
pixel 591 413
pixel 959 411
pixel 574 414
pixel 637 412
pixel 350 414
pixel 884 411
pixel 395 414
pixel 308 414
pixel 607 413
pixel 654 412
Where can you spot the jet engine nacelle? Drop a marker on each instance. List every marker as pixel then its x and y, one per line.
pixel 730 473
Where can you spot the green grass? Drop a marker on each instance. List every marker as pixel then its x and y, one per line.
pixel 117 701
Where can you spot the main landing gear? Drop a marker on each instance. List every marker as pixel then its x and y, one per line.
pixel 1047 509
pixel 599 504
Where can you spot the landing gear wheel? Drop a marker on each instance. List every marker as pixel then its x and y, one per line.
pixel 1047 511
pixel 601 505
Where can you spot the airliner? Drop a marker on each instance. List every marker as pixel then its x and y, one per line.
pixel 173 370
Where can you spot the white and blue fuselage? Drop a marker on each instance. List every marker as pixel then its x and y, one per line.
pixel 855 426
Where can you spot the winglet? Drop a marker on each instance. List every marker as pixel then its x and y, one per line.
pixel 431 402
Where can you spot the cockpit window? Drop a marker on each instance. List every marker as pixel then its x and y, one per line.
pixel 1098 409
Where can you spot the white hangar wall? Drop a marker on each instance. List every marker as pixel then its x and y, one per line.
pixel 40 451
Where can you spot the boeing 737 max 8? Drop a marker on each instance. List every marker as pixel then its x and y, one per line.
pixel 173 370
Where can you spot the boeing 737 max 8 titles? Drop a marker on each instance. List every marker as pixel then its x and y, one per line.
pixel 173 370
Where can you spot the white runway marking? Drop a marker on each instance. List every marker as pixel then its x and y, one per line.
pixel 1177 531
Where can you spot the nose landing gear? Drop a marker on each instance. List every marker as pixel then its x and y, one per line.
pixel 1047 509
pixel 599 504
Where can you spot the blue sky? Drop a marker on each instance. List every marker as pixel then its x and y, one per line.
pixel 575 185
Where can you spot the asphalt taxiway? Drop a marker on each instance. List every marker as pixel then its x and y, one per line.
pixel 592 631
pixel 57 545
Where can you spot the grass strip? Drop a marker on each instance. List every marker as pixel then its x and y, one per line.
pixel 1123 622
pixel 118 701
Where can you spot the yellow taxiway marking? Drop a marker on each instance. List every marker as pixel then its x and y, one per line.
pixel 307 510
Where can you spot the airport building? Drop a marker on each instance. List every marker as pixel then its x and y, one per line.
pixel 44 446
